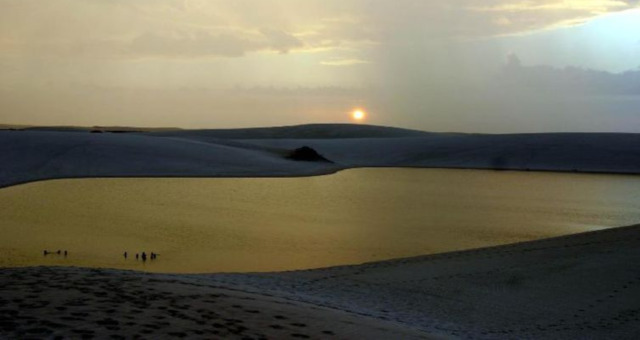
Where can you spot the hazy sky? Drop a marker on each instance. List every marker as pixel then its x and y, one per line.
pixel 463 65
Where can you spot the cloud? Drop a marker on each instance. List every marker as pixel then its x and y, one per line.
pixel 516 17
pixel 592 6
pixel 573 80
pixel 343 62
pixel 203 44
pixel 190 28
pixel 281 41
pixel 323 91
pixel 483 18
pixel 200 45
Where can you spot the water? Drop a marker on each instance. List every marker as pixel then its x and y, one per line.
pixel 355 216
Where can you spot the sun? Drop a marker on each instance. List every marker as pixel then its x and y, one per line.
pixel 358 115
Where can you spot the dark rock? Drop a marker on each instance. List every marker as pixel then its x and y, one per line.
pixel 307 154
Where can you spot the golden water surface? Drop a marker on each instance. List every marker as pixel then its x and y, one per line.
pixel 267 224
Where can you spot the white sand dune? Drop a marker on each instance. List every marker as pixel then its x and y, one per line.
pixel 45 302
pixel 36 155
pixel 33 155
pixel 579 286
pixel 373 146
pixel 589 152
pixel 572 287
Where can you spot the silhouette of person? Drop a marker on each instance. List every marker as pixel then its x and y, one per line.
pixel 65 253
pixel 45 252
pixel 137 256
pixel 59 252
pixel 144 256
pixel 125 255
pixel 153 255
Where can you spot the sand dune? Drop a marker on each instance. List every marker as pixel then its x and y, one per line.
pixel 580 286
pixel 81 303
pixel 589 152
pixel 36 155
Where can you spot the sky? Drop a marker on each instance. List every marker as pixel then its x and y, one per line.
pixel 487 66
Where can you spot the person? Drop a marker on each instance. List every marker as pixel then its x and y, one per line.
pixel 125 255
pixel 153 256
pixel 137 256
pixel 65 253
pixel 58 251
pixel 144 256
pixel 46 252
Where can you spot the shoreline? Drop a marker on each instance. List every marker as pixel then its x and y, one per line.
pixel 319 173
pixel 381 263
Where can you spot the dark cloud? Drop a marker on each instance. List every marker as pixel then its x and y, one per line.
pixel 569 79
pixel 200 45
pixel 206 45
pixel 197 45
pixel 281 41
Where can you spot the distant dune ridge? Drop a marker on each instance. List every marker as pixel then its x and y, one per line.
pixel 36 154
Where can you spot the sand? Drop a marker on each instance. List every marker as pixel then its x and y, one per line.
pixel 50 302
pixel 579 286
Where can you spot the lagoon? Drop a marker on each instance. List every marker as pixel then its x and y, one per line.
pixel 273 224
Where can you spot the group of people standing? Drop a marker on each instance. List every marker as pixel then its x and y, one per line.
pixel 59 252
pixel 142 256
